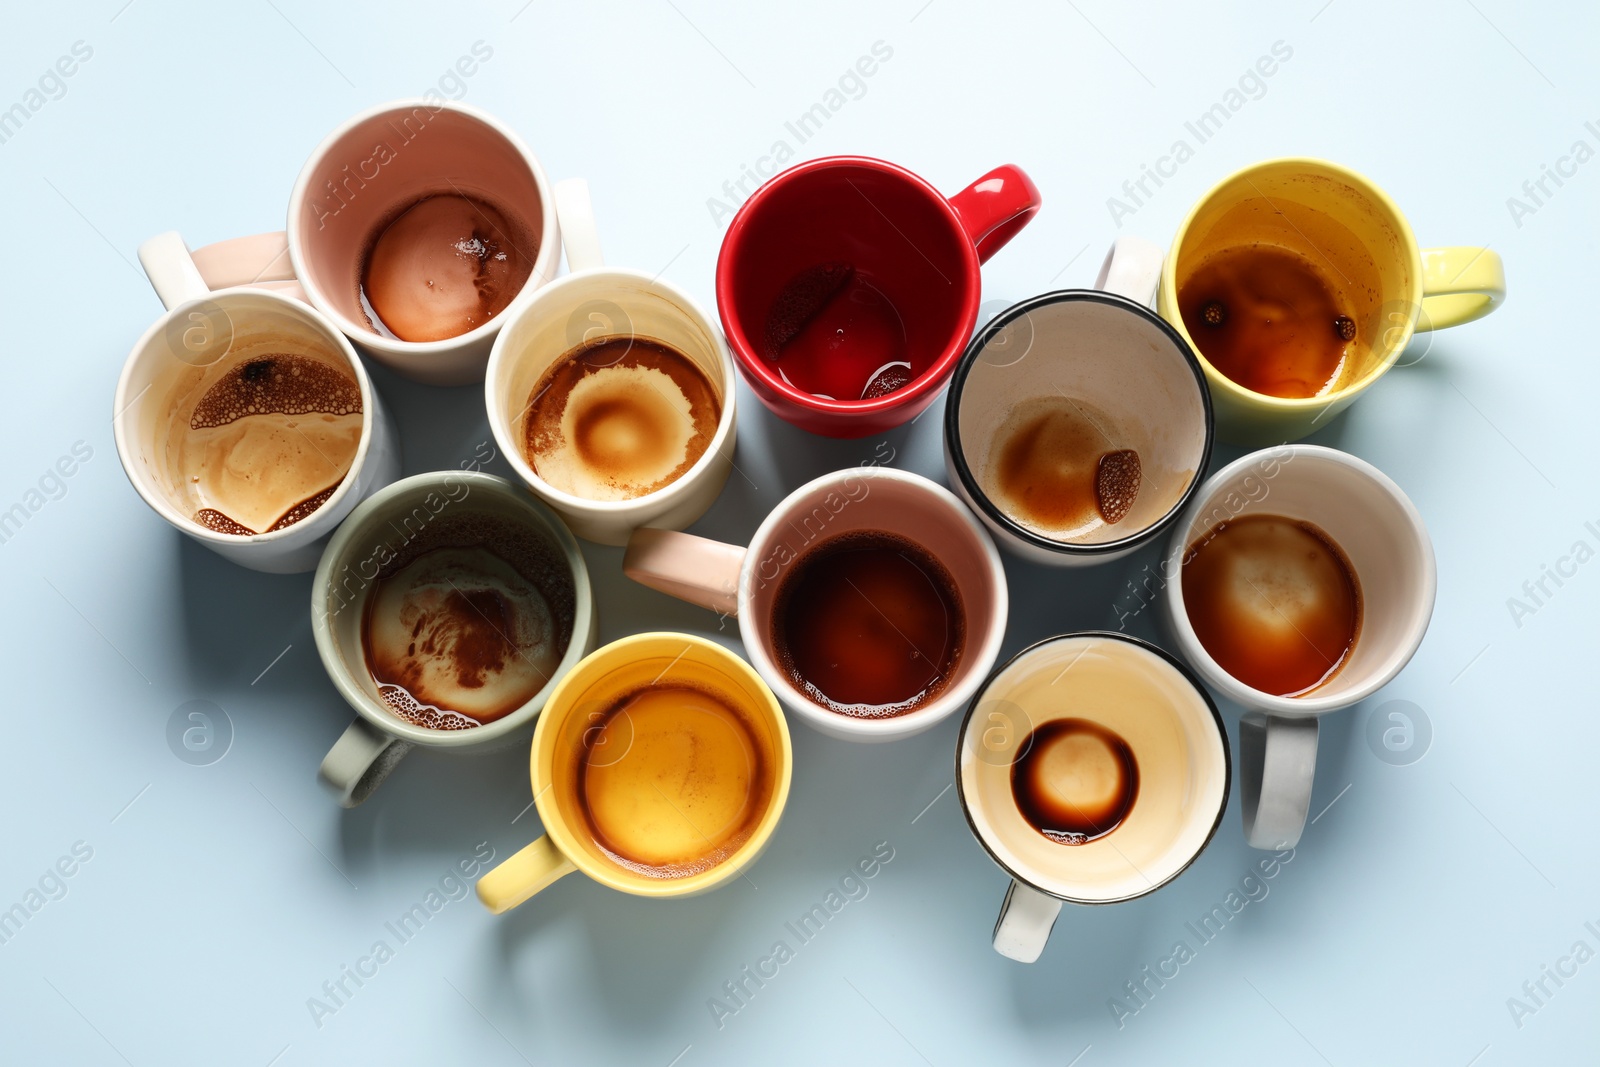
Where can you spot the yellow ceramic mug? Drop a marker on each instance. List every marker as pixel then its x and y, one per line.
pixel 633 815
pixel 1337 219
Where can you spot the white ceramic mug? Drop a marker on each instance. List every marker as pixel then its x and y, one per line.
pixel 592 304
pixel 1179 748
pixel 371 167
pixel 200 330
pixel 745 581
pixel 1104 350
pixel 1383 536
pixel 378 738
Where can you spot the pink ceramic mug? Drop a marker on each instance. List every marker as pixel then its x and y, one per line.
pixel 359 178
pixel 745 581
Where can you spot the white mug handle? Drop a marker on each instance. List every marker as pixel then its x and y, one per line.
pixel 1026 918
pixel 171 269
pixel 1277 765
pixel 1132 269
pixel 579 236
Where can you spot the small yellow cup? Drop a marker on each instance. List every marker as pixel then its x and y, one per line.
pixel 1341 221
pixel 570 716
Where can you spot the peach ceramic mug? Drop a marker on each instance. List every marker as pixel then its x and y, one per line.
pixel 1383 536
pixel 363 173
pixel 745 581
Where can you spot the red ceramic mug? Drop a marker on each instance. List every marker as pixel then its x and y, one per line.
pixel 894 263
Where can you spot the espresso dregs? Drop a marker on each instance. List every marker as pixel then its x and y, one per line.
pixel 261 442
pixel 468 621
pixel 619 419
pixel 444 266
pixel 868 625
pixel 673 779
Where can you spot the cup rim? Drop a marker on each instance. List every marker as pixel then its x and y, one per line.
pixel 366 707
pixel 547 259
pixel 512 448
pixel 1188 675
pixel 1410 249
pixel 928 382
pixel 557 828
pixel 1306 706
pixel 984 646
pixel 128 454
pixel 957 452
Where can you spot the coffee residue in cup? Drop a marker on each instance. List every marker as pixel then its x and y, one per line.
pixel 1051 469
pixel 443 266
pixel 833 333
pixel 1269 319
pixel 1074 780
pixel 267 443
pixel 1274 601
pixel 468 618
pixel 620 418
pixel 673 779
pixel 868 625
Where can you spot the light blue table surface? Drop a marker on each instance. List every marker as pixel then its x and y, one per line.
pixel 208 905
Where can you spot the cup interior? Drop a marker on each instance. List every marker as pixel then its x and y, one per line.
pixel 1368 517
pixel 897 232
pixel 588 307
pixel 368 172
pixel 1349 231
pixel 1121 369
pixel 379 530
pixel 585 697
pixel 886 501
pixel 1166 719
pixel 195 346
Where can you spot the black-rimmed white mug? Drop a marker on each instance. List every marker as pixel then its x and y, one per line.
pixel 1122 368
pixel 1181 776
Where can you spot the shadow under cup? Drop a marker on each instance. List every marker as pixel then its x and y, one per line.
pixel 1138 693
pixel 1101 358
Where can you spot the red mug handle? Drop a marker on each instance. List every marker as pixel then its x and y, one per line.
pixel 997 205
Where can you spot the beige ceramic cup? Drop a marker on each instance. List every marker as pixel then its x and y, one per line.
pixel 378 738
pixel 596 303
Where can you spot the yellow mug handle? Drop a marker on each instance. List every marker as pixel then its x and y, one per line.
pixel 1459 284
pixel 523 875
